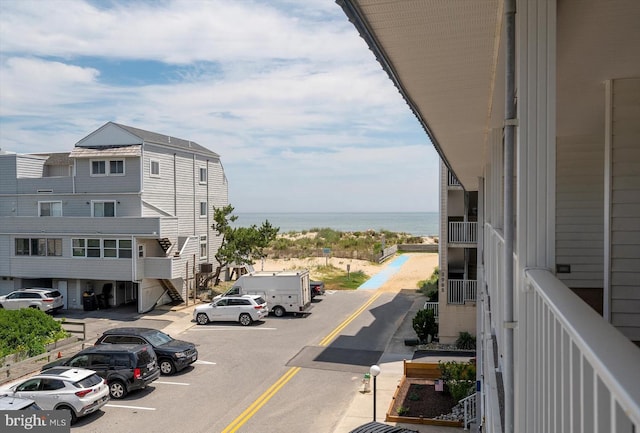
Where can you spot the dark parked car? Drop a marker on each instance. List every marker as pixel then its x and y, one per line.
pixel 317 288
pixel 173 355
pixel 126 367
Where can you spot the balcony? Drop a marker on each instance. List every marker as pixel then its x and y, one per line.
pixel 573 371
pixel 433 306
pixel 452 181
pixel 463 232
pixel 462 291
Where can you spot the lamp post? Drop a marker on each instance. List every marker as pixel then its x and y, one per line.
pixel 375 371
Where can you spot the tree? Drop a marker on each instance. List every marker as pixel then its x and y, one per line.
pixel 241 245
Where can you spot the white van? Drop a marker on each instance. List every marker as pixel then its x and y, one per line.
pixel 284 291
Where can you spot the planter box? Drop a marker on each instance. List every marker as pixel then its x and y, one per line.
pixel 416 371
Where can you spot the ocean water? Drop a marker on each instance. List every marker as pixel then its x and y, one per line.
pixel 414 223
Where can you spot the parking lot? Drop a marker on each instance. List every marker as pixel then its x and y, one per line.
pixel 281 374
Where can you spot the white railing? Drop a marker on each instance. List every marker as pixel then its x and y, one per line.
pixel 433 306
pixel 463 232
pixel 579 372
pixel 469 405
pixel 573 371
pixel 453 181
pixel 461 291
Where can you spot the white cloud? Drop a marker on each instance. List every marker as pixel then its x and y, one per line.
pixel 290 96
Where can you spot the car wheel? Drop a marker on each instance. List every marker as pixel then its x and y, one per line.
pixel 167 367
pixel 245 319
pixel 117 389
pixel 202 319
pixel 72 413
pixel 278 311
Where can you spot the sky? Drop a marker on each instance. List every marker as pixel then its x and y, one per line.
pixel 285 91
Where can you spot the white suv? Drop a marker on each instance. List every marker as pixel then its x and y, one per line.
pixel 47 300
pixel 77 390
pixel 245 309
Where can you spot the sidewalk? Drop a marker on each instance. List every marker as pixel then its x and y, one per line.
pixel 360 411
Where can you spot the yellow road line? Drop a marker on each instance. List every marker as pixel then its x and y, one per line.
pixel 260 401
pixel 273 389
pixel 326 340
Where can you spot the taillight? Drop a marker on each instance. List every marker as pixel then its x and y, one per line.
pixel 83 392
pixel 136 373
pixel 258 307
pixel 47 300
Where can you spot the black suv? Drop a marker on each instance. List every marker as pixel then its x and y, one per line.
pixel 126 367
pixel 173 355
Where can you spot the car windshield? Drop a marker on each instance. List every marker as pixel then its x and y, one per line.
pixel 158 338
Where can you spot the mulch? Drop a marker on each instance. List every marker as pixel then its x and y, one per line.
pixel 422 400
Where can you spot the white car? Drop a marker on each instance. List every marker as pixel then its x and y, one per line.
pixel 47 300
pixel 77 390
pixel 245 309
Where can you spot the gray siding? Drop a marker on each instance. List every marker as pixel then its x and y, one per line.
pixel 29 166
pixel 130 182
pixel 580 210
pixel 625 208
pixel 158 191
pixel 8 176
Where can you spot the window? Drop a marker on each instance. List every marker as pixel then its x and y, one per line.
pixel 203 175
pixel 49 208
pixel 38 247
pixel 203 247
pixel 97 248
pixel 155 168
pixel 203 209
pixel 124 248
pixel 140 251
pixel 54 247
pixel 93 248
pixel 111 248
pixel 22 247
pixel 116 167
pixel 103 208
pixel 98 168
pixel 79 247
pixel 107 168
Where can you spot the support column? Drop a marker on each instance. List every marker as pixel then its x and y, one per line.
pixel 535 177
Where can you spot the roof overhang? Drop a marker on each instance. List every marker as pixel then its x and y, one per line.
pixel 446 58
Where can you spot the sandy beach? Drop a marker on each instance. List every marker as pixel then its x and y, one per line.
pixel 418 267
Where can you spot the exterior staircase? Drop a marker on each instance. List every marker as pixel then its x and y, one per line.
pixel 172 291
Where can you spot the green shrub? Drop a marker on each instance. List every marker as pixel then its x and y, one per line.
pixel 429 287
pixel 459 378
pixel 466 341
pixel 424 323
pixel 402 410
pixel 27 330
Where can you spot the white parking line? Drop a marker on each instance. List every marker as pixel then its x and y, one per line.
pixel 204 362
pixel 130 407
pixel 231 328
pixel 170 383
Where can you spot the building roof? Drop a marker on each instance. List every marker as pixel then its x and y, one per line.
pixel 121 151
pixel 156 138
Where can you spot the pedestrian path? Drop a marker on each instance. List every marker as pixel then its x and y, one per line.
pixel 381 277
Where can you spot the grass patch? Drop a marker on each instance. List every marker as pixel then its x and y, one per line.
pixel 336 279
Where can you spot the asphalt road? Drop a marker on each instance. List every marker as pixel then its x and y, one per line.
pixel 291 374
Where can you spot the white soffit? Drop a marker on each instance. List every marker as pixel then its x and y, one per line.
pixel 444 53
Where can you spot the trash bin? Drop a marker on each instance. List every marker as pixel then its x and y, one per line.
pixel 89 302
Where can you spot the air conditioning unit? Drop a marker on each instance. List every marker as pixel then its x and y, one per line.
pixel 206 268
